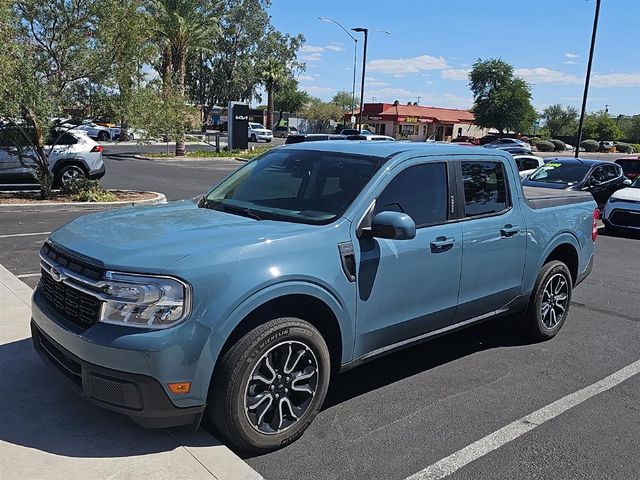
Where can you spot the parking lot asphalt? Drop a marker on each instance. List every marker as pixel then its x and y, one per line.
pixel 397 415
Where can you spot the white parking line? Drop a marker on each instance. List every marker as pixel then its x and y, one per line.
pixel 24 234
pixel 28 275
pixel 497 439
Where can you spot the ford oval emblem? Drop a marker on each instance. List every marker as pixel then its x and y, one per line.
pixel 57 274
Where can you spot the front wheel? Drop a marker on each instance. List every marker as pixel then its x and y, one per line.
pixel 549 304
pixel 253 138
pixel 69 174
pixel 270 385
pixel 103 136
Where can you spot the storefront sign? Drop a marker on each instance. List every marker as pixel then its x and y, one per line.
pixel 374 118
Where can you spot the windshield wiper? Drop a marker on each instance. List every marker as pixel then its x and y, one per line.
pixel 234 209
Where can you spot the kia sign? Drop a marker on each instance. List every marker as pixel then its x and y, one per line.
pixel 238 126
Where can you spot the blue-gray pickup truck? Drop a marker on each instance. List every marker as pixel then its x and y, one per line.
pixel 313 258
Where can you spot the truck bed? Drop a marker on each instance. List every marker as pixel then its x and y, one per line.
pixel 537 197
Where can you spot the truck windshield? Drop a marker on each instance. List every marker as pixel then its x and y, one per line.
pixel 556 172
pixel 301 186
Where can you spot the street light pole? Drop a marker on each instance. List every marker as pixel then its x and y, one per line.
pixel 355 59
pixel 364 69
pixel 586 81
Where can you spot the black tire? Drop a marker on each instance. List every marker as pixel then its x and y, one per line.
pixel 547 312
pixel 235 384
pixel 268 140
pixel 103 136
pixel 253 137
pixel 68 173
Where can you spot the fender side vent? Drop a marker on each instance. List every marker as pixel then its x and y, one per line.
pixel 348 260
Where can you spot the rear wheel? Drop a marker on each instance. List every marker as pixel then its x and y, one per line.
pixel 68 174
pixel 253 137
pixel 549 304
pixel 103 136
pixel 270 385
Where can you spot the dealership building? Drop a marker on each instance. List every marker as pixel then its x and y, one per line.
pixel 417 123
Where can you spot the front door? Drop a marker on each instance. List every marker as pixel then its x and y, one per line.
pixel 494 239
pixel 409 287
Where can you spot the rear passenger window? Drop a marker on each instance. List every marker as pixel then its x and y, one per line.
pixel 529 163
pixel 485 189
pixel 420 192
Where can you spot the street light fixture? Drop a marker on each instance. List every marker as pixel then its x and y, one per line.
pixel 355 59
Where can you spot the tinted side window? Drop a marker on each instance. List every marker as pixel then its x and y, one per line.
pixel 599 175
pixel 485 190
pixel 611 171
pixel 420 192
pixel 529 163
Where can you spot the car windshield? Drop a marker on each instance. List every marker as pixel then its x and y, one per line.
pixel 301 186
pixel 256 125
pixel 564 173
pixel 636 183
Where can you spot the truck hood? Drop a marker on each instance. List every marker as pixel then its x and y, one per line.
pixel 629 194
pixel 149 239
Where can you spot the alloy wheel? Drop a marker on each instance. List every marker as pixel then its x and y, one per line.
pixel 281 387
pixel 70 175
pixel 554 302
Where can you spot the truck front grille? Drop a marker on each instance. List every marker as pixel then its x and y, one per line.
pixel 74 306
pixel 625 218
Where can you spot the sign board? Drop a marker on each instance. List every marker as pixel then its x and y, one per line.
pixel 353 119
pixel 238 126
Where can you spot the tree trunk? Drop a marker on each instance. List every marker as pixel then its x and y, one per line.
pixel 270 100
pixel 179 71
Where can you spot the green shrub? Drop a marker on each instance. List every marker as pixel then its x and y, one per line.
pixel 545 146
pixel 625 147
pixel 636 147
pixel 590 145
pixel 83 190
pixel 535 140
pixel 525 139
pixel 559 145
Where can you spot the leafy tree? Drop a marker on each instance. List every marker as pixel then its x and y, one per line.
pixel 560 120
pixel 501 100
pixel 600 126
pixel 290 99
pixel 182 27
pixel 320 115
pixel 272 74
pixel 630 127
pixel 343 99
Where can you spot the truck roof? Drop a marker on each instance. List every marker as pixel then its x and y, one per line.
pixel 390 149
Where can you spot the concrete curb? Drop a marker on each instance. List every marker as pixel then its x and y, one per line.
pixel 60 206
pixel 185 159
pixel 203 454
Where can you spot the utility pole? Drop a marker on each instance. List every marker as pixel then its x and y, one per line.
pixel 419 97
pixel 586 80
pixel 364 68
pixel 606 108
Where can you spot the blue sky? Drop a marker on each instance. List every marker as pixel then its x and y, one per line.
pixel 434 42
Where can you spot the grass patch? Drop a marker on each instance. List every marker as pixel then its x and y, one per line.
pixel 213 154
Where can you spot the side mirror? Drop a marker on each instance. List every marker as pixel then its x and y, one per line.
pixel 627 182
pixel 392 225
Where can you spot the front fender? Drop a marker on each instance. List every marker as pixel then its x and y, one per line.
pixel 292 287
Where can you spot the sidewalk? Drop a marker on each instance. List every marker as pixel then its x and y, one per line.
pixel 48 432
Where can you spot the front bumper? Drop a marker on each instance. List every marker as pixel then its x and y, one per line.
pixel 140 397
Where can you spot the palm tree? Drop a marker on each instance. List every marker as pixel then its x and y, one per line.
pixel 273 73
pixel 182 27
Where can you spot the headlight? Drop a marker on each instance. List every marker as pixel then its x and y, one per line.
pixel 144 301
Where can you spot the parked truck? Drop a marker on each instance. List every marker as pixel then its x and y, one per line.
pixel 311 259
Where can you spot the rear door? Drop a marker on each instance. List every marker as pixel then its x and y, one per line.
pixel 493 236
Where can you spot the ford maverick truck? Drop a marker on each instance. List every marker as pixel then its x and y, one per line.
pixel 311 259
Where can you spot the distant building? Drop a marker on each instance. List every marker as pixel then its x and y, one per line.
pixel 417 123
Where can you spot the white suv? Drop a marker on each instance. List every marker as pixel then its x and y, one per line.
pixel 74 156
pixel 258 132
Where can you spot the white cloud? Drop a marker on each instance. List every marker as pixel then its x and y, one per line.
pixel 407 65
pixel 616 80
pixel 546 75
pixel 389 94
pixel 311 49
pixel 451 100
pixel 571 55
pixel 315 90
pixel 569 62
pixel 307 78
pixel 310 57
pixel 374 82
pixel 456 74
pixel 335 46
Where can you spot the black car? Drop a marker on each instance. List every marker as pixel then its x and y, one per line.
pixel 313 137
pixel 598 177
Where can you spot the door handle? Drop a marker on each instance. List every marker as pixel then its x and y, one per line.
pixel 442 244
pixel 509 230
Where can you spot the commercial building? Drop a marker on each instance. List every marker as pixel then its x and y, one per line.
pixel 418 123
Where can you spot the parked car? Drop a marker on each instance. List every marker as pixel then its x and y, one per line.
pixel 606 146
pixel 310 259
pixel 527 164
pixel 313 137
pixel 354 131
pixel 385 138
pixel 516 150
pixel 283 131
pixel 598 177
pixel 258 132
pixel 466 139
pixel 74 156
pixel 630 167
pixel 622 211
pixel 506 143
pixel 99 132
